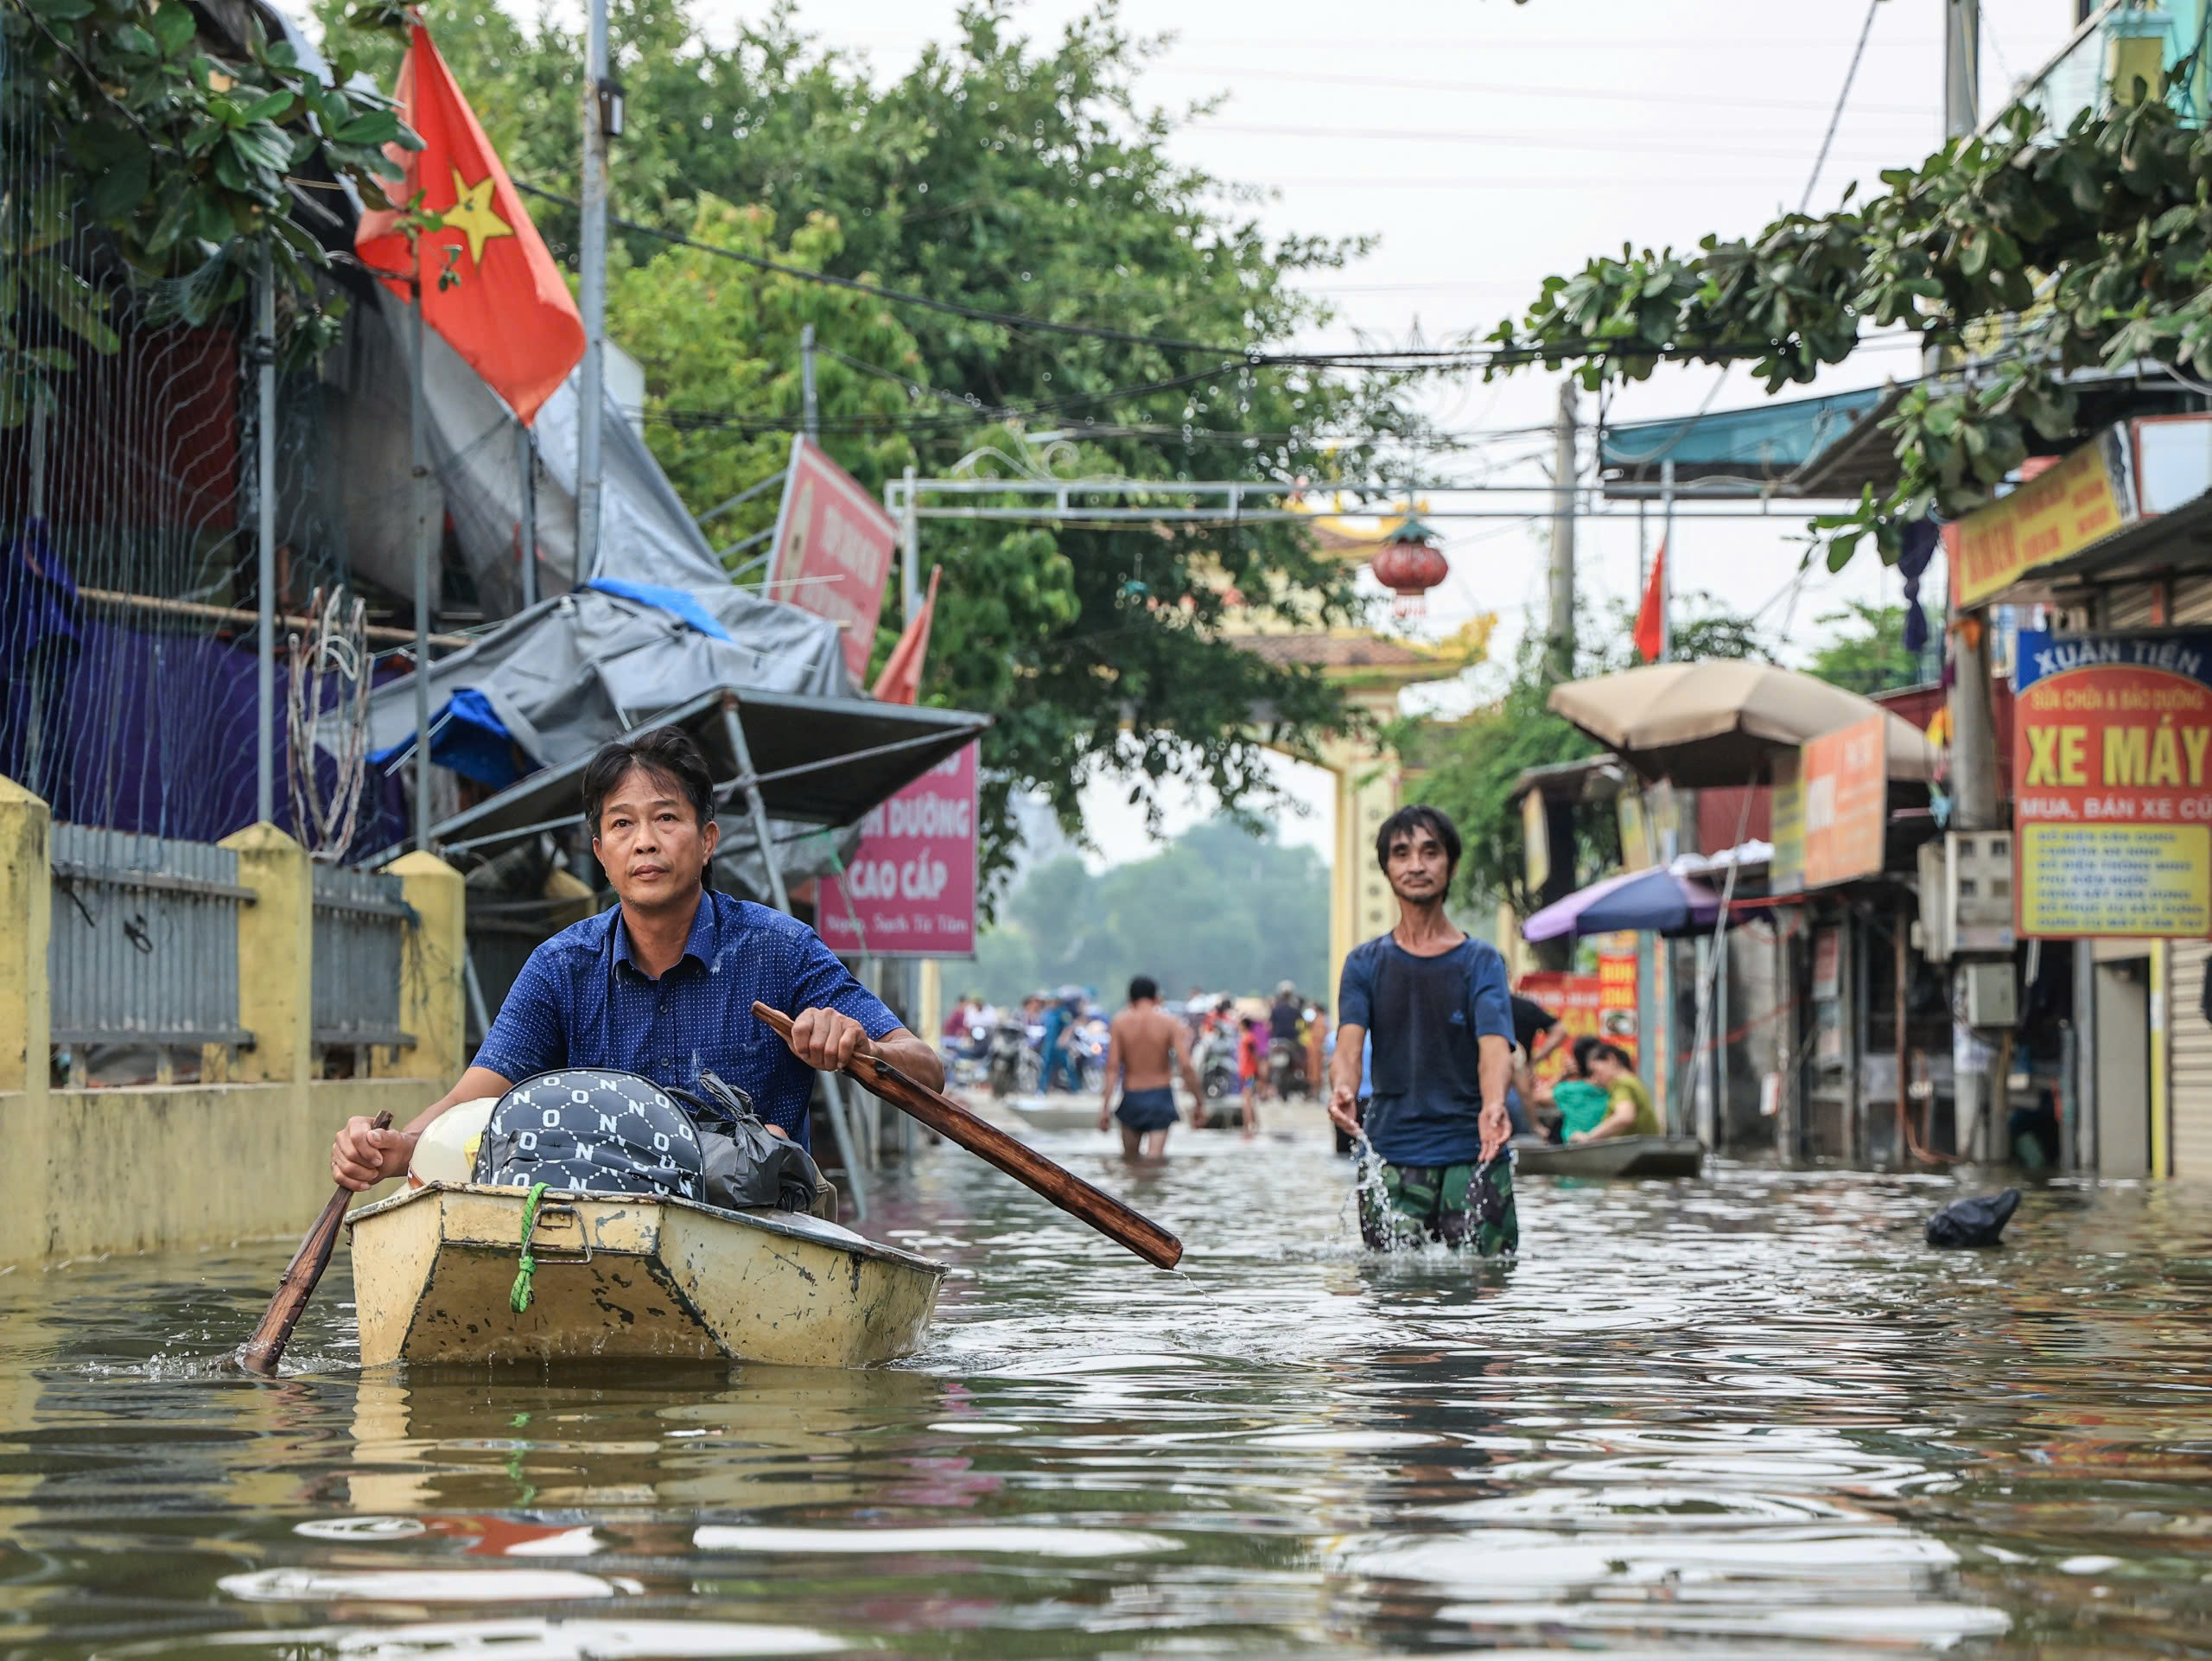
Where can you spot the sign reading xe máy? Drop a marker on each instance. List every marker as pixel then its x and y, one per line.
pixel 2111 759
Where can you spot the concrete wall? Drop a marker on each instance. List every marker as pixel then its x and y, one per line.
pixel 184 1165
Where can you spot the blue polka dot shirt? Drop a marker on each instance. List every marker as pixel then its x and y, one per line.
pixel 582 1000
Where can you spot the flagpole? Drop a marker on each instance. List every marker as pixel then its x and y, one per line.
pixel 527 516
pixel 418 440
pixel 593 299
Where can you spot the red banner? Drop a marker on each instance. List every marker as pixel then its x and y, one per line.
pixel 910 890
pixel 833 548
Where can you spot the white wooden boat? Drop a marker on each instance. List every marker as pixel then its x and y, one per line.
pixel 1614 1156
pixel 1057 1112
pixel 624 1275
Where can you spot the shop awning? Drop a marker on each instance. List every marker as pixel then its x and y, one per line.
pixel 1706 725
pixel 818 760
pixel 1778 444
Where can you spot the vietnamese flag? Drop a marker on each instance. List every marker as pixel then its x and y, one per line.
pixel 1650 616
pixel 489 288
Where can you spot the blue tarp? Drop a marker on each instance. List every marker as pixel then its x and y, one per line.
pixel 675 602
pixel 1764 441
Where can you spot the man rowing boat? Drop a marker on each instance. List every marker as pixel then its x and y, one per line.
pixel 664 986
pixel 1436 1004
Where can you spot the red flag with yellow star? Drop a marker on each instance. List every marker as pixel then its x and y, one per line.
pixel 489 287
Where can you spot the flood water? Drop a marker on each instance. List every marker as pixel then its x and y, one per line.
pixel 1749 1415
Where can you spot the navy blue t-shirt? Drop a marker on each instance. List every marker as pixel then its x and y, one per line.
pixel 1425 1015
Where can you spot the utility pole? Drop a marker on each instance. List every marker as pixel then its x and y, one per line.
pixel 601 120
pixel 809 418
pixel 1976 804
pixel 1563 473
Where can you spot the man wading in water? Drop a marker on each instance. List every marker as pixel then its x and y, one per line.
pixel 1145 1046
pixel 1437 1005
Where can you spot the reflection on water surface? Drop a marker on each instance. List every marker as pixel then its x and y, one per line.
pixel 1750 1415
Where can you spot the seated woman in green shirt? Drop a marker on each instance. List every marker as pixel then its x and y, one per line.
pixel 1629 1110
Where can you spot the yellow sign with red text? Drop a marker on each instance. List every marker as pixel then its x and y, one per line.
pixel 2057 514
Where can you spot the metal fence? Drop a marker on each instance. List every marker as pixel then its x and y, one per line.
pixel 144 946
pixel 361 940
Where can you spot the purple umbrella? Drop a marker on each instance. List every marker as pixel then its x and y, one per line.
pixel 1655 901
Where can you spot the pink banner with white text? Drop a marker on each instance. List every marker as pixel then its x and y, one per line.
pixel 910 889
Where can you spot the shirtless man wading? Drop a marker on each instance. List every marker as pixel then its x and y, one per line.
pixel 1145 1046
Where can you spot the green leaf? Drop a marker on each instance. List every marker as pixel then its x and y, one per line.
pixel 1840 550
pixel 60 11
pixel 129 37
pixel 173 27
pixel 372 127
pixel 269 108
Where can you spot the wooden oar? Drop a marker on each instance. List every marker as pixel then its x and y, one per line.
pixel 1116 1221
pixel 261 1352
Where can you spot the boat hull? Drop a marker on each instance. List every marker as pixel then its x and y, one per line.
pixel 626 1277
pixel 1615 1156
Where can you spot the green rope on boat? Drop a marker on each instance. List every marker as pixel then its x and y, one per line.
pixel 518 1295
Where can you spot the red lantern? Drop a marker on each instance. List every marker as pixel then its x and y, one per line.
pixel 1409 564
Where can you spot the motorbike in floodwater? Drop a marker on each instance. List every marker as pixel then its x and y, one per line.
pixel 1221 1103
pixel 1287 1069
pixel 1008 1059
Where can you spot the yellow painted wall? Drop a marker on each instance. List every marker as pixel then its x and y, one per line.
pixel 130 1170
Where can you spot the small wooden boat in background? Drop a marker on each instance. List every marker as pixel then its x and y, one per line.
pixel 622 1275
pixel 1615 1156
pixel 1057 1112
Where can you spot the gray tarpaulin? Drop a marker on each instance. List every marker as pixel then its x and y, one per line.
pixel 573 671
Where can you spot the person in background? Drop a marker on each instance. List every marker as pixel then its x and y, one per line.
pixel 1628 1111
pixel 1252 1069
pixel 1536 1031
pixel 1058 1061
pixel 1317 1047
pixel 1145 1048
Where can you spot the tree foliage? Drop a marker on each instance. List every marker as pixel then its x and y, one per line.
pixel 132 125
pixel 1218 909
pixel 999 175
pixel 1865 651
pixel 2086 248
pixel 1468 768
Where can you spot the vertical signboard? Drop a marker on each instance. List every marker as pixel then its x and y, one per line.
pixel 1844 784
pixel 1535 842
pixel 1786 874
pixel 832 549
pixel 2112 760
pixel 910 889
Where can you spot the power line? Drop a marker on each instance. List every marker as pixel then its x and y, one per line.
pixel 1424 84
pixel 1842 98
pixel 1507 138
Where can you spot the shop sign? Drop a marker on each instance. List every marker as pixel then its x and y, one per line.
pixel 832 551
pixel 1535 843
pixel 1786 872
pixel 1602 1005
pixel 2112 763
pixel 1844 778
pixel 909 890
pixel 2079 500
pixel 1636 851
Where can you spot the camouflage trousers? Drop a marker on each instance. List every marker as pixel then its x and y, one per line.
pixel 1459 1204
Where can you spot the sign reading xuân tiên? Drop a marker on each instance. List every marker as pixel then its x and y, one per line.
pixel 2112 769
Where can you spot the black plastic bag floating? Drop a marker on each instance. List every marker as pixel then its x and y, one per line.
pixel 1976 1222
